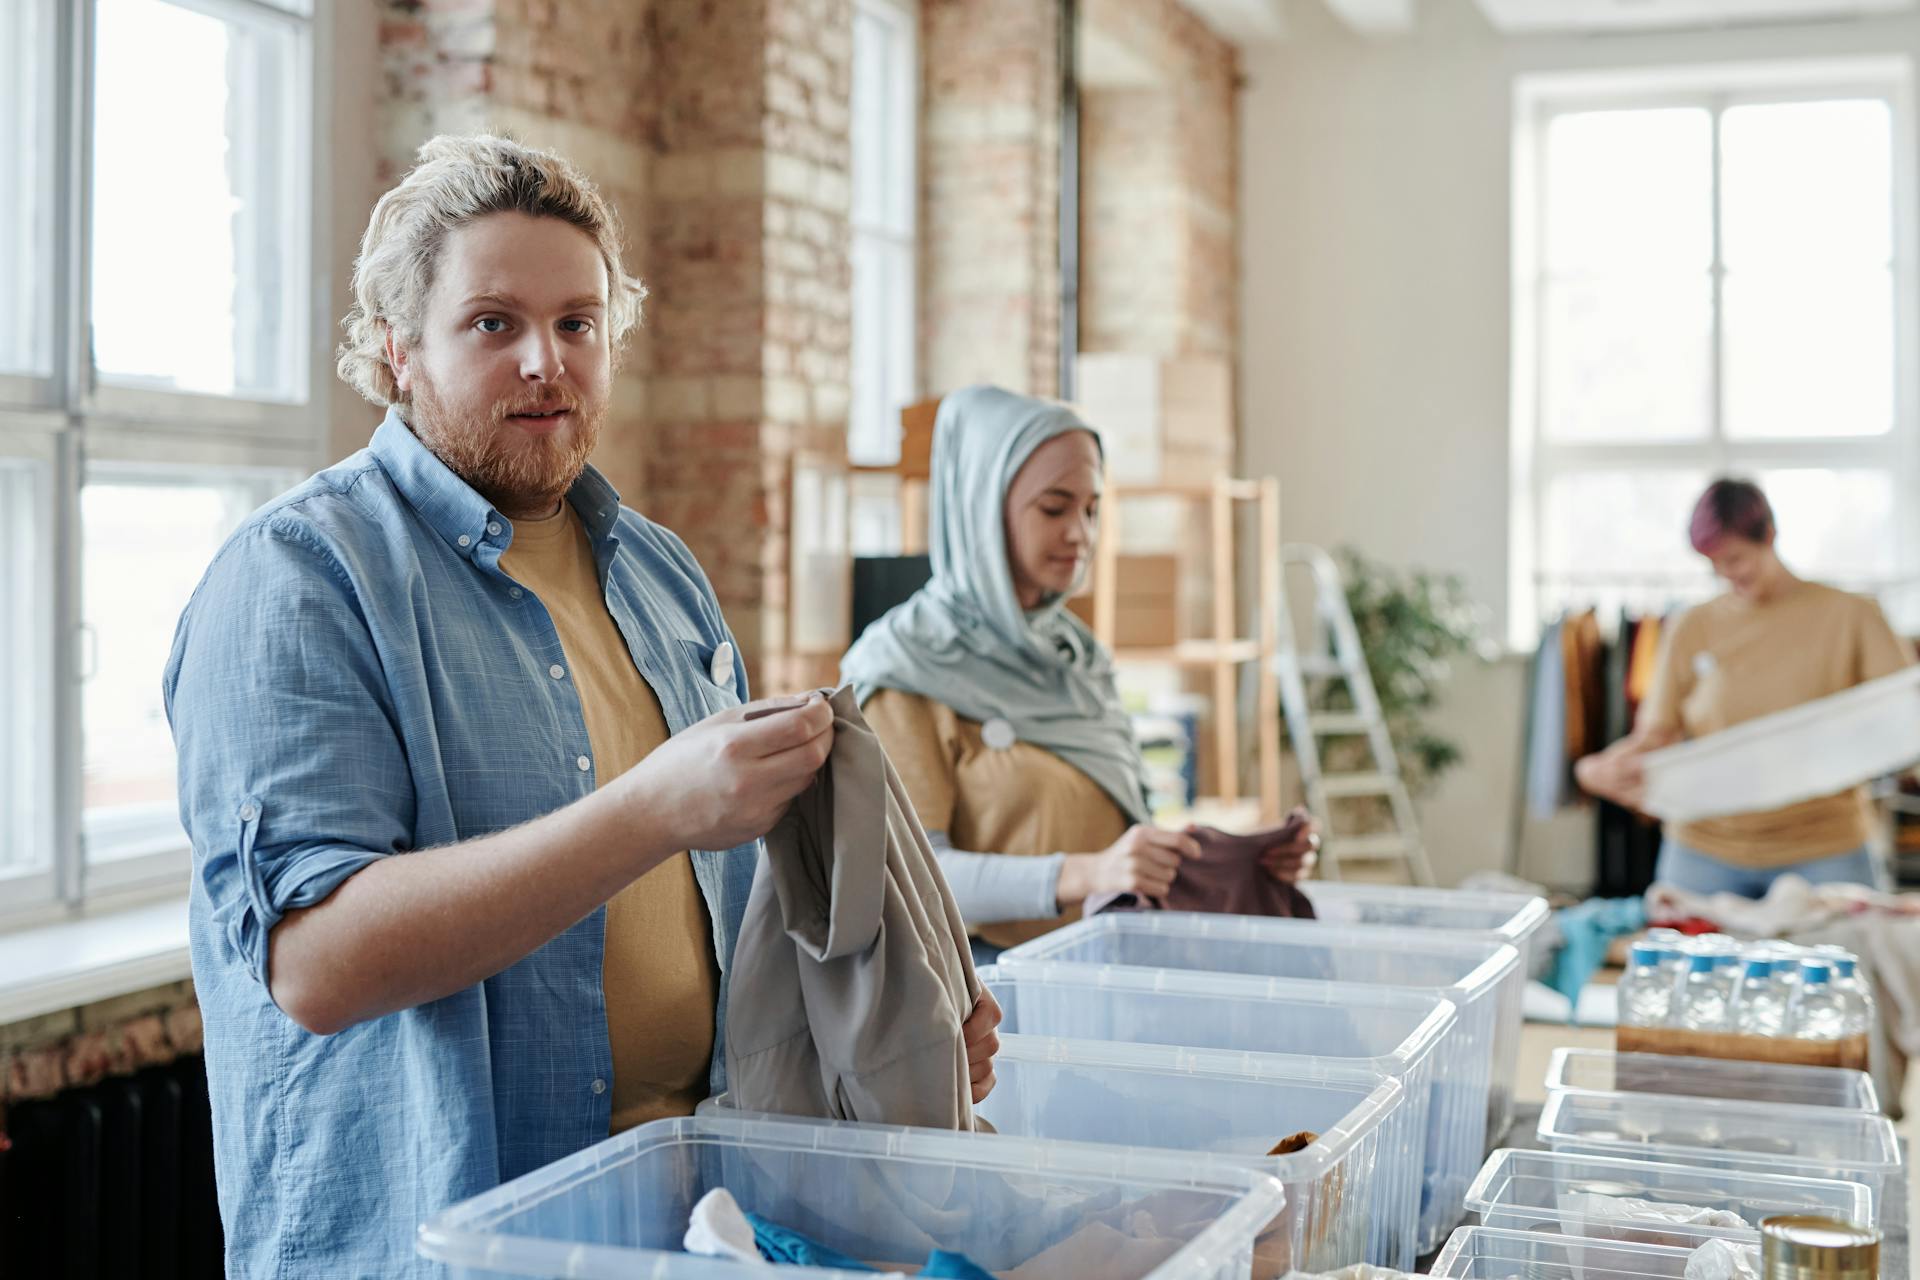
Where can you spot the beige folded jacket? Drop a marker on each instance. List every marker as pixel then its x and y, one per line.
pixel 852 976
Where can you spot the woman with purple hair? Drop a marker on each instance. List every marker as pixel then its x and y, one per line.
pixel 1773 641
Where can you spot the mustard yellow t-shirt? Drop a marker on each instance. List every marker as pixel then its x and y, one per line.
pixel 659 973
pixel 1024 801
pixel 1731 660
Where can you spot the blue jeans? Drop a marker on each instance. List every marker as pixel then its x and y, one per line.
pixel 1698 872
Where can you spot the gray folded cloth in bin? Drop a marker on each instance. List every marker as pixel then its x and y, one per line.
pixel 852 976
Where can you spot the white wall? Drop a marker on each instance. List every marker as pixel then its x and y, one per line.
pixel 1374 373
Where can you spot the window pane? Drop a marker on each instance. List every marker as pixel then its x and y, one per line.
pixel 1837 526
pixel 1610 538
pixel 146 541
pixel 870 104
pixel 26 707
pixel 26 188
pixel 197 259
pixel 1629 190
pixel 873 436
pixel 1809 354
pixel 1628 358
pixel 1807 185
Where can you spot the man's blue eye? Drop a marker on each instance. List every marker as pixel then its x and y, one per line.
pixel 482 323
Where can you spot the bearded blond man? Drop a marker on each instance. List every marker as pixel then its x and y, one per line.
pixel 474 799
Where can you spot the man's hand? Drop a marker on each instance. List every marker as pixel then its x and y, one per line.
pixel 982 1044
pixel 728 779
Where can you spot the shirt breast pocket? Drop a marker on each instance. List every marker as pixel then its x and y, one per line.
pixel 713 670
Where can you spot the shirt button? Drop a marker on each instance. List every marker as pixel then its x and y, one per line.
pixel 515 592
pixel 723 665
pixel 493 528
pixel 249 811
pixel 584 763
pixel 465 541
pixel 599 1086
pixel 557 671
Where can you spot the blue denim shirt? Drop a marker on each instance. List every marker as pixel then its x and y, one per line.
pixel 354 678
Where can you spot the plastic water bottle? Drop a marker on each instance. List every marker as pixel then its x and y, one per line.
pixel 1818 1011
pixel 1861 1014
pixel 1757 1010
pixel 1786 970
pixel 1727 970
pixel 1646 996
pixel 1700 1004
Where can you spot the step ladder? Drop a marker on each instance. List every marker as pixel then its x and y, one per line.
pixel 1336 655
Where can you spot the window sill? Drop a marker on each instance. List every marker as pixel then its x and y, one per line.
pixel 80 962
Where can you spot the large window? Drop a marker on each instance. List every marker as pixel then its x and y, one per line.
pixel 1713 276
pixel 885 214
pixel 157 381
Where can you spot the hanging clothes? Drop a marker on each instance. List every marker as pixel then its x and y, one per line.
pixel 1546 761
pixel 852 976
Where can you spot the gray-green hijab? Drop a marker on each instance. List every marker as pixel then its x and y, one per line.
pixel 963 639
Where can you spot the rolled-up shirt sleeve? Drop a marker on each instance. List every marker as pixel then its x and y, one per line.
pixel 292 776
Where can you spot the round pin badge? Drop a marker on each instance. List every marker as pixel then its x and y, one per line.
pixel 998 734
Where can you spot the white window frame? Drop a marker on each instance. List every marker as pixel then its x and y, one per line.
pixel 897 231
pixel 67 421
pixel 1537 461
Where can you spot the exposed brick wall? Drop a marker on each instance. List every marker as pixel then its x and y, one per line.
pixel 74 1047
pixel 1159 271
pixel 575 77
pixel 990 207
pixel 753 282
pixel 720 130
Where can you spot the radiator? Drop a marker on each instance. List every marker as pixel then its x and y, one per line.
pixel 113 1180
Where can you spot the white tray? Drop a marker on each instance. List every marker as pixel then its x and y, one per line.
pixel 1816 749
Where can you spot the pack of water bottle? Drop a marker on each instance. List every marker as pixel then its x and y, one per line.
pixel 1717 984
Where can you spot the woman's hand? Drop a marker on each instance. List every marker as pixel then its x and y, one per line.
pixel 1292 858
pixel 1613 774
pixel 1144 861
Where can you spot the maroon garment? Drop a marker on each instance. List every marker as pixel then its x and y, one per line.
pixel 1228 878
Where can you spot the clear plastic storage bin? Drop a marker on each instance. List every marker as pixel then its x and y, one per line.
pixel 1808 1142
pixel 1480 975
pixel 1348 1193
pixel 1565 1194
pixel 1512 917
pixel 1482 1253
pixel 1604 1071
pixel 888 1196
pixel 1405 1035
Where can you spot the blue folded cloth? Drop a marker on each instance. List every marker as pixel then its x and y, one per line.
pixel 1588 929
pixel 789 1248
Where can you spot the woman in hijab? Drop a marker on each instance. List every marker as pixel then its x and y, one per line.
pixel 996 705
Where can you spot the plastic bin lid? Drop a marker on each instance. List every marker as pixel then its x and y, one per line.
pixel 1661 1123
pixel 1716 1078
pixel 465 1234
pixel 1850 1200
pixel 1485 960
pixel 1525 1250
pixel 1379 1094
pixel 1525 912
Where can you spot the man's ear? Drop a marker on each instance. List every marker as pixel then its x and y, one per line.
pixel 399 359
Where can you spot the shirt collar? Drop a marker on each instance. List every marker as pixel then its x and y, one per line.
pixel 459 514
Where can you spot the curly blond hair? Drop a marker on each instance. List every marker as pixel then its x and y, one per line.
pixel 458 179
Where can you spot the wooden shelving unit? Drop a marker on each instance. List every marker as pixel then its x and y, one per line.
pixel 1226 651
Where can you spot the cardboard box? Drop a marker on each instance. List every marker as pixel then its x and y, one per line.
pixel 1850 1053
pixel 1163 421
